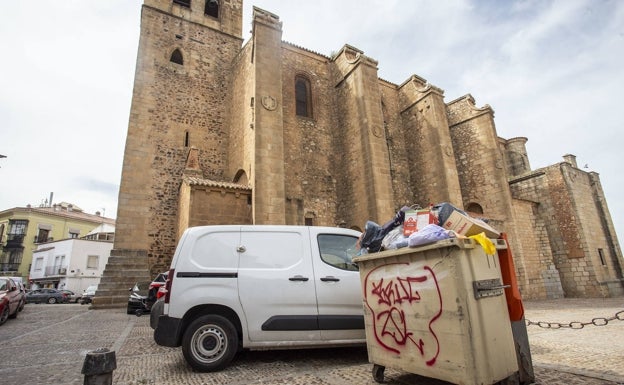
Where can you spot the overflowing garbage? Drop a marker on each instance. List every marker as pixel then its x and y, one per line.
pixel 413 226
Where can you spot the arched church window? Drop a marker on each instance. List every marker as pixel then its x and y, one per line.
pixel 176 57
pixel 212 8
pixel 303 97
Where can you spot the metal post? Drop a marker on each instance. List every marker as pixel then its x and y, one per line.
pixel 98 367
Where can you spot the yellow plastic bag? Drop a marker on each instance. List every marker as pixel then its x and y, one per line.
pixel 485 242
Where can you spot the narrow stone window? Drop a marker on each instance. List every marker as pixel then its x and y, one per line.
pixel 212 8
pixel 603 262
pixel 186 139
pixel 303 97
pixel 184 3
pixel 176 57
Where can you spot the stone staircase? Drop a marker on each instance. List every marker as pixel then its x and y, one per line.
pixel 123 270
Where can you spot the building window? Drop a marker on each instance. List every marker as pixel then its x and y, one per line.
pixel 176 57
pixel 42 236
pixel 73 233
pixel 212 8
pixel 17 228
pixel 303 97
pixel 93 261
pixel 59 265
pixel 603 261
pixel 11 259
pixel 184 3
pixel 39 264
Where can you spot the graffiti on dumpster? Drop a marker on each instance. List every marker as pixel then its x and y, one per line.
pixel 390 299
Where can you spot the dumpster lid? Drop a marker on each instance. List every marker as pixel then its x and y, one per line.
pixel 462 243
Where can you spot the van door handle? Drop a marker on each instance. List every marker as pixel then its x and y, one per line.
pixel 299 278
pixel 330 279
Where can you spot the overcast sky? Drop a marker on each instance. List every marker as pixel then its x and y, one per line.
pixel 553 71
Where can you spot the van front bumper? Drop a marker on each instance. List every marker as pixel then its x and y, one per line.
pixel 167 332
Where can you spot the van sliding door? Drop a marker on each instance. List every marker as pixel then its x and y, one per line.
pixel 276 286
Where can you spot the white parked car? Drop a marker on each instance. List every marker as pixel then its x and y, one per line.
pixel 260 287
pixel 88 294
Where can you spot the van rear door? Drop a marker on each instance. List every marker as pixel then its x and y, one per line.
pixel 276 284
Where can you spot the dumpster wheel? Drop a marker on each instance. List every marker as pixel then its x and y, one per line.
pixel 378 373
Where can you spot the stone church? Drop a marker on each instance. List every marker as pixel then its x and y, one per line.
pixel 224 131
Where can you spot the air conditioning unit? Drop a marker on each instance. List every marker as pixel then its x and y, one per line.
pixel 62 271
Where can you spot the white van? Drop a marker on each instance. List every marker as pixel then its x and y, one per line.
pixel 261 287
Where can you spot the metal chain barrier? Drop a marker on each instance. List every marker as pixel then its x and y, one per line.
pixel 601 321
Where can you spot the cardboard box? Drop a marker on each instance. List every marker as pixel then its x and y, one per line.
pixel 465 225
pixel 409 223
pixel 415 220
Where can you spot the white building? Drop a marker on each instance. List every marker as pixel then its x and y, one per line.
pixel 72 264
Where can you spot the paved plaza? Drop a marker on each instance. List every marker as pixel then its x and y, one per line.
pixel 47 344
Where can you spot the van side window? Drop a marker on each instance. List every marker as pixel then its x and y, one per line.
pixel 338 250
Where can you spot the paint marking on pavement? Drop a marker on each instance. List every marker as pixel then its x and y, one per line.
pixel 122 337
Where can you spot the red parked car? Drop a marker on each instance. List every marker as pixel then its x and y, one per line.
pixel 159 281
pixel 10 299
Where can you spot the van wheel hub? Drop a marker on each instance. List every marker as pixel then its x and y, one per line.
pixel 209 343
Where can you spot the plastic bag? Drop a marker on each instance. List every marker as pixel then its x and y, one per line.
pixel 429 234
pixel 485 242
pixel 398 219
pixel 394 239
pixel 372 237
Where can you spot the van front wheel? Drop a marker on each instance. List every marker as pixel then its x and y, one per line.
pixel 209 343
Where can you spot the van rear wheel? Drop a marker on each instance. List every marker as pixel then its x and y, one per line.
pixel 210 343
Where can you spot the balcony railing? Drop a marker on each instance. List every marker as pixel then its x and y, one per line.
pixel 43 239
pixel 55 270
pixel 7 267
pixel 14 240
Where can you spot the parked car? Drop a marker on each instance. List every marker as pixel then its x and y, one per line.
pixel 20 284
pixel 141 298
pixel 261 287
pixel 88 294
pixel 10 299
pixel 22 295
pixel 71 296
pixel 159 281
pixel 46 295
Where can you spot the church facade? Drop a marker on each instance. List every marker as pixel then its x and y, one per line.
pixel 223 131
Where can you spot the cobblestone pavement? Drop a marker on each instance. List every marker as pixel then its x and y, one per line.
pixel 47 344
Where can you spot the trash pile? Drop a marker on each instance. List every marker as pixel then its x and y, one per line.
pixel 413 226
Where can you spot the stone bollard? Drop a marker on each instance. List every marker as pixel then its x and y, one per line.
pixel 98 367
